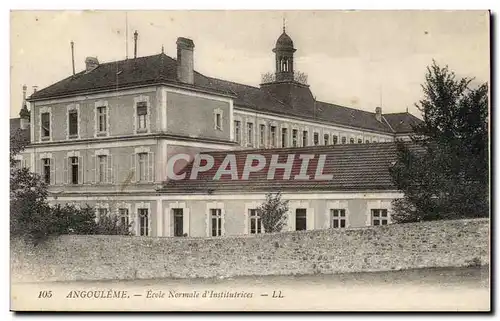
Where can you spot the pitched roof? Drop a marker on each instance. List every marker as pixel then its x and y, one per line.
pixel 355 167
pixel 287 98
pixel 402 122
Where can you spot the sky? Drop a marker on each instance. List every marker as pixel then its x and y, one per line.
pixel 360 59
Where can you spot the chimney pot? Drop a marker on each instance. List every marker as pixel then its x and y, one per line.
pixel 91 63
pixel 185 61
pixel 378 113
pixel 135 43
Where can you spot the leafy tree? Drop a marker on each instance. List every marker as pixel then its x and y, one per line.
pixel 444 171
pixel 33 218
pixel 273 213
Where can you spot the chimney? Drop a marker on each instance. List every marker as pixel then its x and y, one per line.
pixel 135 43
pixel 185 64
pixel 378 113
pixel 91 63
pixel 73 56
pixel 24 114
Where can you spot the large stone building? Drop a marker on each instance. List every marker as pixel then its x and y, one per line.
pixel 103 136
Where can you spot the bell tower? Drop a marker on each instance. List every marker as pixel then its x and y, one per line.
pixel 284 57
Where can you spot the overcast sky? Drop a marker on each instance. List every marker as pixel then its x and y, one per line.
pixel 352 58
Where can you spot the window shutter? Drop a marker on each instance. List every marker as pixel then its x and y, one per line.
pixel 80 170
pixel 246 221
pixel 93 169
pixel 65 178
pixel 110 170
pixel 310 219
pixel 40 167
pixel 133 168
pixel 52 171
pixel 208 219
pixel 151 164
pixel 223 221
pixel 185 221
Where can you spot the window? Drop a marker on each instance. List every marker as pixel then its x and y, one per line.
pixel 367 141
pixel 45 125
pixel 101 120
pixel 316 139
pixel 237 131
pixel 73 123
pixel 338 218
pixel 143 167
pixel 284 137
pixel 250 134
pixel 335 139
pixel 300 219
pixel 262 135
pixel 46 170
pixel 142 113
pixel 326 139
pixel 73 161
pixel 344 140
pixel 102 168
pixel 255 222
pixel 380 217
pixel 143 222
pixel 304 138
pixel 216 221
pixel 351 141
pixel 218 119
pixel 295 133
pixel 360 141
pixel 178 222
pixel 272 136
pixel 123 217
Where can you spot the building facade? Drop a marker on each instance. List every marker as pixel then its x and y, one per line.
pixel 103 136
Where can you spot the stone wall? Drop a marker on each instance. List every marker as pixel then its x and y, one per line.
pixel 393 247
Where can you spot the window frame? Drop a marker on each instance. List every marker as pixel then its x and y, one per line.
pixel 44 170
pixel 254 217
pixel 142 99
pixel 249 134
pixel 218 119
pixel 379 215
pixel 97 105
pixel 216 213
pixel 337 215
pixel 42 111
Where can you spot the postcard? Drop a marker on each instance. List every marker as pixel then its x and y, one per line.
pixel 250 161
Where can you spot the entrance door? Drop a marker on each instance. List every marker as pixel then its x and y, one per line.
pixel 300 219
pixel 178 222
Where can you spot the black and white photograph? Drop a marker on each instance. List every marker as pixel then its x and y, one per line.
pixel 243 160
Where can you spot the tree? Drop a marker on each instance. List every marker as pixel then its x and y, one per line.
pixel 444 171
pixel 273 213
pixel 33 218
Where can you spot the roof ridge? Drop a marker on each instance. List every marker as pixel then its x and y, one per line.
pixel 232 82
pixel 341 106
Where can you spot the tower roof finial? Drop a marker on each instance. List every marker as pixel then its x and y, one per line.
pixel 162 49
pixel 284 24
